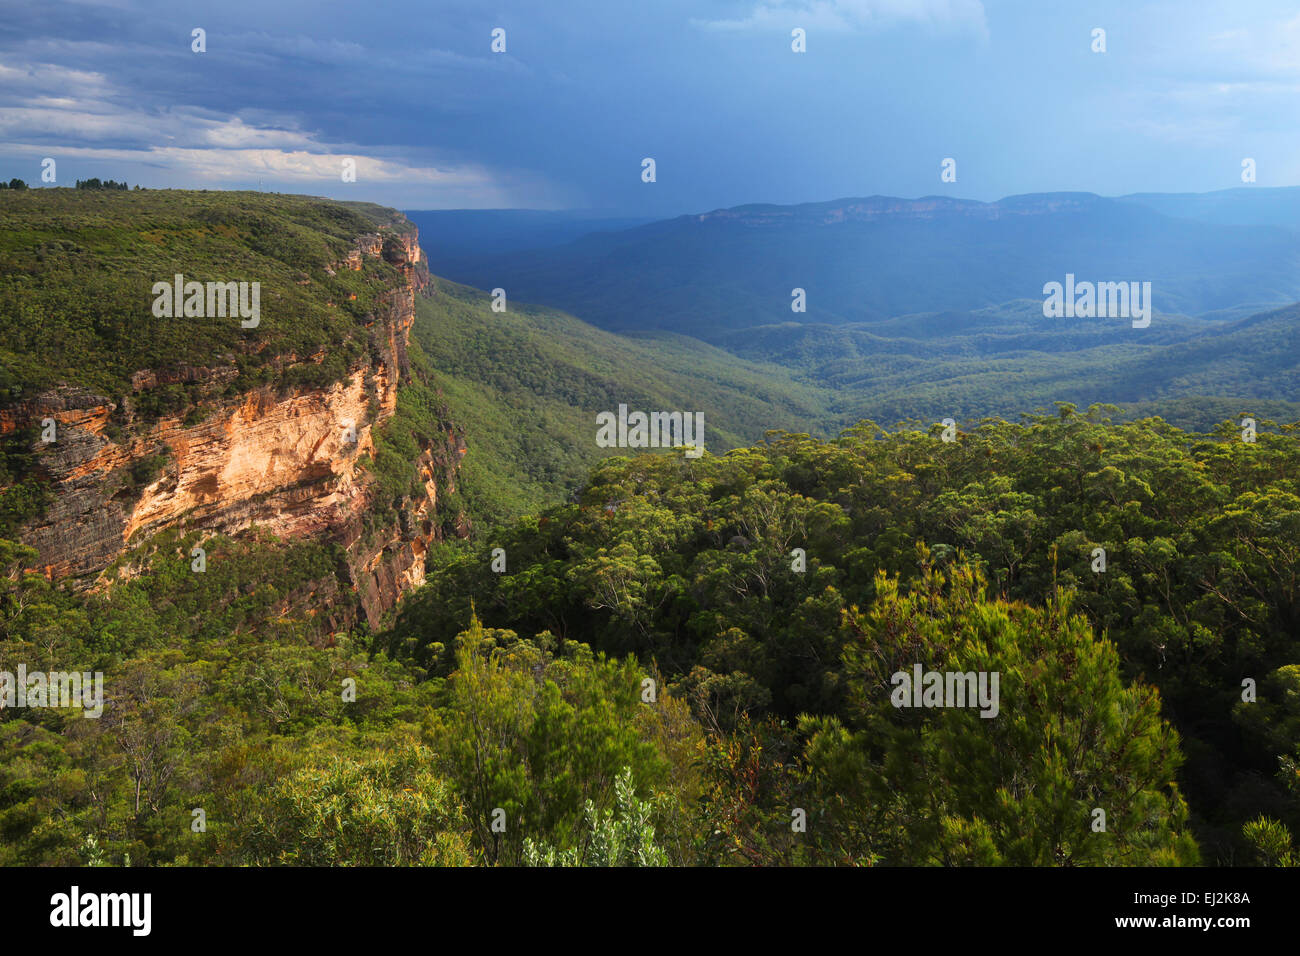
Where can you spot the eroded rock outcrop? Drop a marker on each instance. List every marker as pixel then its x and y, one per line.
pixel 288 462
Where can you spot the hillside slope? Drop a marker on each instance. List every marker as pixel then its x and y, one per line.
pixel 527 384
pixel 1004 361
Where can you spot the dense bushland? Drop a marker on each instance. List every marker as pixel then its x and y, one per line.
pixel 690 565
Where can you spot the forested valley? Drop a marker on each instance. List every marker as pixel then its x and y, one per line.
pixel 361 597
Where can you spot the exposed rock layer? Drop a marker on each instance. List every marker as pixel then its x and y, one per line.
pixel 285 462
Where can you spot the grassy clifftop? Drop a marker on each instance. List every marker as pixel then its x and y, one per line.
pixel 77 269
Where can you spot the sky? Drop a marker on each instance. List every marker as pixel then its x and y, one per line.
pixel 585 90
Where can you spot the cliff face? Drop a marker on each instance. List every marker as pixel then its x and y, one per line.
pixel 287 462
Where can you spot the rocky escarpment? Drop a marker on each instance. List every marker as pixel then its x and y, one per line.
pixel 292 462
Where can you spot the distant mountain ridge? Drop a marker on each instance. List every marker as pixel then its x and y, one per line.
pixel 872 258
pixel 873 208
pixel 1243 206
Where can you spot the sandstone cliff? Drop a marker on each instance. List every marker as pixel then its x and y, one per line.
pixel 289 462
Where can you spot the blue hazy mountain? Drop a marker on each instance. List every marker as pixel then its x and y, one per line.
pixel 1244 206
pixel 1220 255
